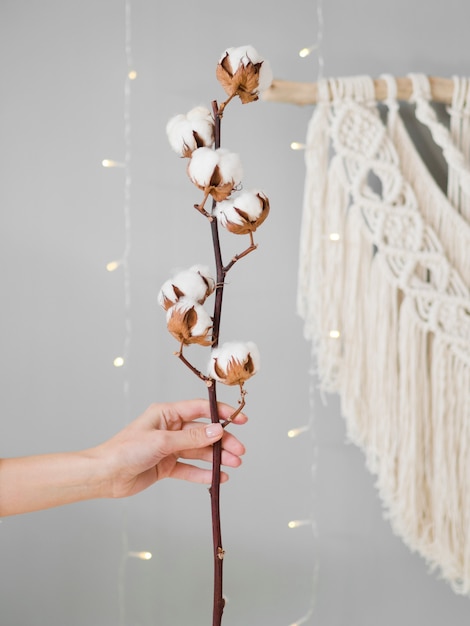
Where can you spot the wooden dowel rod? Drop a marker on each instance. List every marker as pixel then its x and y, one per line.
pixel 306 93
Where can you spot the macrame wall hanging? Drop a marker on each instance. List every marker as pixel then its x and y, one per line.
pixel 384 292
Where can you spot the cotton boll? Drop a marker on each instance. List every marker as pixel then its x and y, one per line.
pixel 167 296
pixel 206 276
pixel 249 203
pixel 241 55
pixel 230 166
pixel 226 212
pixel 177 131
pixel 202 165
pixel 234 362
pixel 216 172
pixel 242 71
pixel 195 284
pixel 200 114
pixel 189 322
pixel 244 213
pixel 188 132
pixel 200 118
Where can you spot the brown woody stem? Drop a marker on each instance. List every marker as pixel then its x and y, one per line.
pixel 218 551
pixel 221 271
pixel 199 374
pixel 239 256
pixel 200 207
pixel 241 404
pixel 221 108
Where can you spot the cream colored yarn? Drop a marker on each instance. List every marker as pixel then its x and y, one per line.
pixel 385 262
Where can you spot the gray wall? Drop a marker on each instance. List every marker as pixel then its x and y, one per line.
pixel 63 67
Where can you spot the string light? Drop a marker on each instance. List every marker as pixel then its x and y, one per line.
pixel 297 523
pixel 130 75
pixel 312 387
pixel 296 145
pixel 111 163
pixel 334 334
pixel 334 236
pixel 143 556
pixel 305 52
pixel 113 265
pixel 295 432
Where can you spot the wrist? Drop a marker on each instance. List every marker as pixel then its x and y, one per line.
pixel 100 473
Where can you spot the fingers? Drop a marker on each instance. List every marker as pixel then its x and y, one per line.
pixel 232 449
pixel 177 441
pixel 194 474
pixel 205 454
pixel 173 414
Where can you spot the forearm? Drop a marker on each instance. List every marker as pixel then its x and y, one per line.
pixel 44 481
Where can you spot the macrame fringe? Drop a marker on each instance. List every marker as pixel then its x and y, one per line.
pixel 450 226
pixel 404 389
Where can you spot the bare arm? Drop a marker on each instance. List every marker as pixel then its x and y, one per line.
pixel 154 446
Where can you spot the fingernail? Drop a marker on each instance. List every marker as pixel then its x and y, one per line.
pixel 213 430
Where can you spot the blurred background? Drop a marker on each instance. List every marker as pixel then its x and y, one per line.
pixel 67 104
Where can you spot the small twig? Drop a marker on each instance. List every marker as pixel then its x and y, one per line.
pixel 241 404
pixel 239 256
pixel 220 110
pixel 199 374
pixel 200 207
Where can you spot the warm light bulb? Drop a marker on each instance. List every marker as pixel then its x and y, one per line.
pixel 295 145
pixel 335 237
pixel 335 334
pixel 296 523
pixel 295 432
pixel 306 51
pixel 112 265
pixel 118 361
pixel 111 163
pixel 143 556
pixel 132 75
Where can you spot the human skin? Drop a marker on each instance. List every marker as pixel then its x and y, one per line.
pixel 154 446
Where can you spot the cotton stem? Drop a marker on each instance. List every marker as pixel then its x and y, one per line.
pixel 218 551
pixel 199 374
pixel 241 405
pixel 239 256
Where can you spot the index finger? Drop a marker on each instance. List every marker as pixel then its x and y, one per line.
pixel 189 410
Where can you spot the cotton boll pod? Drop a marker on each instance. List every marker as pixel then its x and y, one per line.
pixel 196 284
pixel 216 172
pixel 242 71
pixel 189 322
pixel 234 362
pixel 188 132
pixel 244 213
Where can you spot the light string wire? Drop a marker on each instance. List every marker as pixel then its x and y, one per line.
pixel 309 427
pixel 318 48
pixel 125 264
pixel 312 389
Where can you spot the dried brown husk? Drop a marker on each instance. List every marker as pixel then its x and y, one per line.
pixel 216 188
pixel 181 323
pixel 244 82
pixel 237 372
pixel 249 225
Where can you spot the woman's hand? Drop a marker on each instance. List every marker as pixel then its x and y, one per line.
pixel 157 444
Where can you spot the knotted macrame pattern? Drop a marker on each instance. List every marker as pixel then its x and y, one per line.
pixel 384 276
